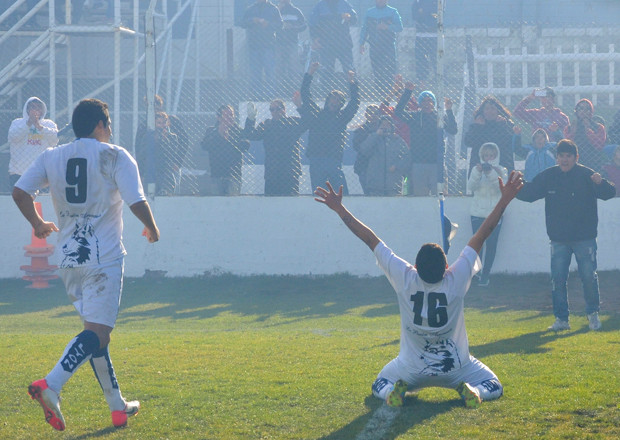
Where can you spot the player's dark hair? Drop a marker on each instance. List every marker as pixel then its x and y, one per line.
pixel 431 263
pixel 87 115
pixel 567 146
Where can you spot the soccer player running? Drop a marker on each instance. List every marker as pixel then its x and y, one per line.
pixel 89 179
pixel 434 350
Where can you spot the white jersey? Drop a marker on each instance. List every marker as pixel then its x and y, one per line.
pixel 433 339
pixel 88 182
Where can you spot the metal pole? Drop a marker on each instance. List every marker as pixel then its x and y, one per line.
pixel 52 24
pixel 136 83
pixel 117 70
pixel 149 57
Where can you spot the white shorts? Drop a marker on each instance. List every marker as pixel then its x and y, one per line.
pixel 95 291
pixel 474 373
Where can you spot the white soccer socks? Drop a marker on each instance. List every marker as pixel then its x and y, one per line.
pixel 77 351
pixel 104 371
pixel 381 388
pixel 490 389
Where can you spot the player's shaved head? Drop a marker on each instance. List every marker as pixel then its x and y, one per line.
pixel 431 263
pixel 87 115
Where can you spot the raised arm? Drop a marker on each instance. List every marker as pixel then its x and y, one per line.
pixel 334 202
pixel 509 192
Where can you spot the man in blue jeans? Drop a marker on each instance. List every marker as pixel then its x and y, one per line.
pixel 571 191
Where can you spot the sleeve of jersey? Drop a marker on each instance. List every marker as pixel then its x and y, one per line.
pixel 395 268
pixel 35 177
pixel 463 269
pixel 128 179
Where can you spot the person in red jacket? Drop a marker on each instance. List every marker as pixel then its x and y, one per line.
pixel 588 135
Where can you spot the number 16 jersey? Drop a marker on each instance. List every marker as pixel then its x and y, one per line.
pixel 88 182
pixel 433 339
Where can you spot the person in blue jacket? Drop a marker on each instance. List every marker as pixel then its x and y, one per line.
pixel 539 155
pixel 379 28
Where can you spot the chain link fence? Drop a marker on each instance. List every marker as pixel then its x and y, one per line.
pixel 236 115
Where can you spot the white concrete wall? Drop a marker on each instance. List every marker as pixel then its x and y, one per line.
pixel 257 235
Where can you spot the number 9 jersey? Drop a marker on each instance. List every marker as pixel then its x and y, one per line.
pixel 433 339
pixel 88 181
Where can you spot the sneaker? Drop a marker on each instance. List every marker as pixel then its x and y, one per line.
pixel 483 281
pixel 559 325
pixel 49 401
pixel 397 396
pixel 119 418
pixel 595 323
pixel 469 394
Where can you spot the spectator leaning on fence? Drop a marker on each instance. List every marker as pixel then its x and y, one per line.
pixel 29 136
pixel 327 129
pixel 492 123
pixel 427 141
pixel 548 117
pixel 379 28
pixel 539 155
pixel 571 191
pixel 225 144
pixel 588 135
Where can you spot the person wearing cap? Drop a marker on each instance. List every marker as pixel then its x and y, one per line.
pixel 588 134
pixel 548 117
pixel 571 191
pixel 427 145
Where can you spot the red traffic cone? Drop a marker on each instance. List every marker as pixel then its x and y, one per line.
pixel 39 272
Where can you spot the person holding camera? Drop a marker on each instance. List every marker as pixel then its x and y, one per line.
pixel 388 157
pixel 548 117
pixel 483 183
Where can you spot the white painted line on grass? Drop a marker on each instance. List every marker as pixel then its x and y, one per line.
pixel 379 424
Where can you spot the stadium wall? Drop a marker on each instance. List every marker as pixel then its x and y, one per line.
pixel 251 235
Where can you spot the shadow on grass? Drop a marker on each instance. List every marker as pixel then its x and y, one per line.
pixel 297 298
pixel 384 423
pixel 96 434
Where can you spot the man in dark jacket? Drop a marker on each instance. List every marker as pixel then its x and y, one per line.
pixel 288 65
pixel 571 191
pixel 330 24
pixel 426 141
pixel 327 130
pixel 226 146
pixel 262 20
pixel 280 136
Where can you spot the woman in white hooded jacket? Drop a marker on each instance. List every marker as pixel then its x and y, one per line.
pixel 483 183
pixel 29 136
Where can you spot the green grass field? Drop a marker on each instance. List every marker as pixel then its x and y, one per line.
pixel 293 358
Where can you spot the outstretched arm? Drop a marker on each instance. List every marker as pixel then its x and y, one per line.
pixel 509 191
pixel 334 202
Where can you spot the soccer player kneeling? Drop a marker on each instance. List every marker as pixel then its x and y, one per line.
pixel 434 351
